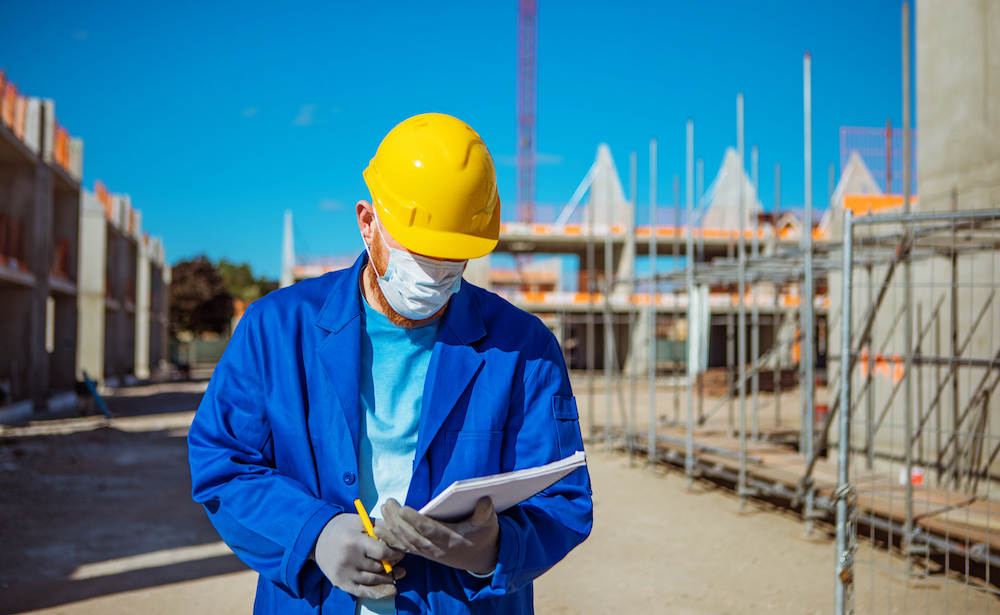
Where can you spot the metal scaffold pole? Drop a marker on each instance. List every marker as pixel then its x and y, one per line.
pixel 908 289
pixel 651 324
pixel 609 335
pixel 691 362
pixel 632 376
pixel 741 318
pixel 730 345
pixel 754 309
pixel 675 352
pixel 701 257
pixel 590 321
pixel 845 553
pixel 778 312
pixel 808 304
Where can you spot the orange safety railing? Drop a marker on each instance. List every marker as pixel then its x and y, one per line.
pixel 12 242
pixel 60 149
pixel 13 115
pixel 8 97
pixel 104 198
pixel 60 264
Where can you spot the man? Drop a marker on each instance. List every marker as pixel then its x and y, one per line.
pixel 387 382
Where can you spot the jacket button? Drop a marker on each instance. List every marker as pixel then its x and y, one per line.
pixel 349 478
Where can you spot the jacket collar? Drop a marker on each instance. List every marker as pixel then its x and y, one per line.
pixel 343 304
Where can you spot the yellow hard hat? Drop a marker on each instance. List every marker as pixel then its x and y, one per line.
pixel 434 186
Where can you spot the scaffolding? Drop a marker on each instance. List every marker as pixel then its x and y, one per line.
pixel 898 453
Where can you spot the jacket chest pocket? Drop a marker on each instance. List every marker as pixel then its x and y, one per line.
pixel 470 454
pixel 567 418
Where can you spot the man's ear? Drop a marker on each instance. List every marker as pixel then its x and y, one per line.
pixel 366 220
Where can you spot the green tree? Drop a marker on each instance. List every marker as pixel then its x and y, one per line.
pixel 240 281
pixel 199 302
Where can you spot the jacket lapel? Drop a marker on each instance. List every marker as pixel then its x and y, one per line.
pixel 454 363
pixel 340 352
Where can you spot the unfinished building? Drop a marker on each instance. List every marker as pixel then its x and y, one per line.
pixel 40 171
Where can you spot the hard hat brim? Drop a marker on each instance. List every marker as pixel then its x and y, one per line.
pixel 442 244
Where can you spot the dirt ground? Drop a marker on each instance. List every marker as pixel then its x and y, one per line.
pixel 96 517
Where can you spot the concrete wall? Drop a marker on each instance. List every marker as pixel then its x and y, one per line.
pixel 159 316
pixel 955 309
pixel 17 196
pixel 959 319
pixel 958 103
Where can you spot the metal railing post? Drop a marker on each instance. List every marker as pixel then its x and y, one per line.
pixel 845 555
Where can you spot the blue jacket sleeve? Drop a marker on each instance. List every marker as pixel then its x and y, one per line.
pixel 543 426
pixel 271 521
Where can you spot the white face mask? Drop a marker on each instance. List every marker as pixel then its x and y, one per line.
pixel 417 286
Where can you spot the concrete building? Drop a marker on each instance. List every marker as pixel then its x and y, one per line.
pixel 40 171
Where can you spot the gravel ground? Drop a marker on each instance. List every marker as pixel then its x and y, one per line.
pixel 95 517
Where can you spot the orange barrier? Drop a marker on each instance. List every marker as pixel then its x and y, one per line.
pixel 582 298
pixel 60 149
pixel 104 198
pixel 7 99
pixel 20 111
pixel 865 204
pixel 894 367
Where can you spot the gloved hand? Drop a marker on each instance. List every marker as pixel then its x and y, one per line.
pixel 352 559
pixel 471 544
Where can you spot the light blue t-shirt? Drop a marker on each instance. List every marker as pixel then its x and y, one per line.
pixel 393 369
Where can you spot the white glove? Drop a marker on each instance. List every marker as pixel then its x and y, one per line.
pixel 352 559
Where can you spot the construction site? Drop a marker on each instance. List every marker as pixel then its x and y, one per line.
pixel 803 396
pixel 730 364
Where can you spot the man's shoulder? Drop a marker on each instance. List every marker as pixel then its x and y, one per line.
pixel 502 318
pixel 300 299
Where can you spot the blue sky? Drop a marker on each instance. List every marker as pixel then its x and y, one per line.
pixel 216 117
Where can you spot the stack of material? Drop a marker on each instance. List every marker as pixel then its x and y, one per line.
pixel 789 379
pixel 715 381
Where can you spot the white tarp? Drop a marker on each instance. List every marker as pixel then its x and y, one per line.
pixel 699 319
pixel 724 209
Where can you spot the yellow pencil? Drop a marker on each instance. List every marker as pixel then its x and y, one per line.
pixel 370 528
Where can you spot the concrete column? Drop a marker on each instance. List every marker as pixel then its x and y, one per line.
pixel 90 288
pixel 142 305
pixel 38 262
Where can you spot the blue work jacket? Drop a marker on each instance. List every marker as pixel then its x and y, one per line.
pixel 274 445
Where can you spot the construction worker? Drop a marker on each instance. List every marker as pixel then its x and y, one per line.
pixel 387 382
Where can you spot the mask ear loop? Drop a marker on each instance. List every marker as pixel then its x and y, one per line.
pixel 370 259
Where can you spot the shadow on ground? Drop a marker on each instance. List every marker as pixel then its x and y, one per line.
pixel 67 501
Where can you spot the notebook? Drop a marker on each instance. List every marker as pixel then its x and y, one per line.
pixel 506 490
